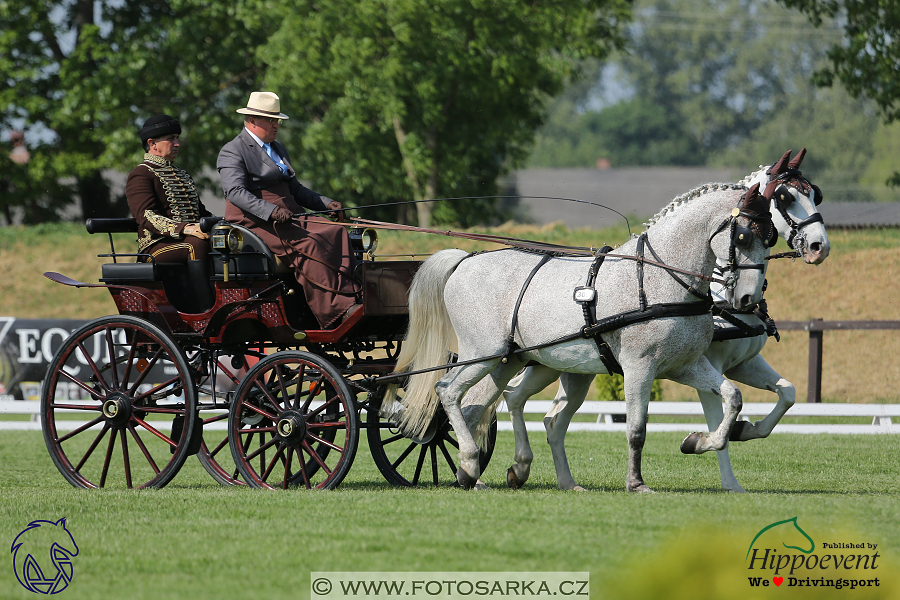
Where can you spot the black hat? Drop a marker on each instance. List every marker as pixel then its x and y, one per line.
pixel 158 126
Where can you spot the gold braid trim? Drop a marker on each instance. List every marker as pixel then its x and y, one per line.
pixel 181 197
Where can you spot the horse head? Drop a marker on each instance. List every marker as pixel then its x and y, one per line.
pixel 794 200
pixel 743 260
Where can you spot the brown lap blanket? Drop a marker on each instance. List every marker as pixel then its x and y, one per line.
pixel 318 250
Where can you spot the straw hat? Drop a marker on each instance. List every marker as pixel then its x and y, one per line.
pixel 263 104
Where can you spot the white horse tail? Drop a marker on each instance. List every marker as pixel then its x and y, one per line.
pixel 429 341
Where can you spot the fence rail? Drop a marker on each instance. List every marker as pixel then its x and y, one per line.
pixel 817 329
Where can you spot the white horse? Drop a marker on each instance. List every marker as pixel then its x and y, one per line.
pixel 793 207
pixel 505 309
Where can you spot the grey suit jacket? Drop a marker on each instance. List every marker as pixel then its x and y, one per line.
pixel 244 167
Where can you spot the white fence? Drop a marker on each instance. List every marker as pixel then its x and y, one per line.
pixel 882 416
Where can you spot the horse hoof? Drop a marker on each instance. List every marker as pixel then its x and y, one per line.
pixel 691 442
pixel 479 485
pixel 641 489
pixel 740 431
pixel 512 480
pixel 578 488
pixel 464 479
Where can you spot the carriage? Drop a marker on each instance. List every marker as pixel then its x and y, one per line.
pixel 224 360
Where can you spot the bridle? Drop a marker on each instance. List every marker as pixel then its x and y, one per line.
pixel 778 189
pixel 741 236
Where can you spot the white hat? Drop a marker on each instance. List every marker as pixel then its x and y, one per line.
pixel 264 104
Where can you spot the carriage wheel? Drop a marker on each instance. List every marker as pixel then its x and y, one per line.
pixel 430 459
pixel 293 422
pixel 118 406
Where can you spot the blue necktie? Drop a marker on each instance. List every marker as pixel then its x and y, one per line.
pixel 277 161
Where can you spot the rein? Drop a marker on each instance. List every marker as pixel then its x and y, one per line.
pixel 528 245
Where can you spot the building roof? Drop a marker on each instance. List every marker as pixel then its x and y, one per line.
pixel 639 192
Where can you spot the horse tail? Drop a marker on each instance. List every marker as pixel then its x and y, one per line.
pixel 428 343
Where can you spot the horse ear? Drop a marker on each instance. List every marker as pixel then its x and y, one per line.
pixel 795 162
pixel 754 202
pixel 780 166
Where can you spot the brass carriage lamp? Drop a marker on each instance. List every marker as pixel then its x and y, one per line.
pixel 363 240
pixel 226 240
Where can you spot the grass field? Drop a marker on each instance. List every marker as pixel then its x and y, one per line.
pixel 197 540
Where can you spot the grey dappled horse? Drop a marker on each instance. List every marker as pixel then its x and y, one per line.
pixel 794 213
pixel 474 299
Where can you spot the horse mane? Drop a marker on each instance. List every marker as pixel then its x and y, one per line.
pixel 695 193
pixel 752 176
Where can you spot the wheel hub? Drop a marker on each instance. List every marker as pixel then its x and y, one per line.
pixel 291 427
pixel 117 408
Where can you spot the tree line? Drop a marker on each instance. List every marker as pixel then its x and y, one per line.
pixel 397 100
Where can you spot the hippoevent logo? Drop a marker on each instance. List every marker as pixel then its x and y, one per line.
pixel 783 554
pixel 42 556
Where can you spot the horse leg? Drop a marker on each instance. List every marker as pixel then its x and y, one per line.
pixel 573 390
pixel 521 388
pixel 637 398
pixel 712 410
pixel 702 376
pixel 759 374
pixel 451 388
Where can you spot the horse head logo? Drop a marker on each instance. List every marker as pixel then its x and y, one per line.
pixel 787 532
pixel 38 540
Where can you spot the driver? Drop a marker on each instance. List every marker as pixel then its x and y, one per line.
pixel 262 193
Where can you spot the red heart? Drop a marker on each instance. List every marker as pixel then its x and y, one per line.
pixel 778 580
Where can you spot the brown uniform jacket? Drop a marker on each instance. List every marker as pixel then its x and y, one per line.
pixel 163 199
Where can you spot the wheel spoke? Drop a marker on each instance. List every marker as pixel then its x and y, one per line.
pixel 274 460
pixel 93 445
pixel 262 447
pixel 303 472
pixel 75 432
pixel 315 456
pixel 125 457
pixel 447 456
pixel 404 454
pixel 90 362
pixel 143 448
pixel 287 468
pixel 422 451
pixel 108 458
pixel 155 432
pixel 325 442
pixel 140 378
pixel 434 464
pixel 110 347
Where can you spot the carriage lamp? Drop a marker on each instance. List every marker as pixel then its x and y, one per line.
pixel 227 240
pixel 363 241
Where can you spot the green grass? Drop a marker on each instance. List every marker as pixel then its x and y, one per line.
pixel 197 540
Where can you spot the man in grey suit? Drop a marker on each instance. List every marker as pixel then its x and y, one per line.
pixel 263 194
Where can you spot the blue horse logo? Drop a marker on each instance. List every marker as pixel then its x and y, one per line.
pixel 38 539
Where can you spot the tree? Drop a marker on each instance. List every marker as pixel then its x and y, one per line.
pixel 417 99
pixel 702 76
pixel 81 76
pixel 866 59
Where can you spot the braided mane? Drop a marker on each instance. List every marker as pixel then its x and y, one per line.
pixel 695 193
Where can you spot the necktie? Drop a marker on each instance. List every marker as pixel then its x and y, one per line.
pixel 277 161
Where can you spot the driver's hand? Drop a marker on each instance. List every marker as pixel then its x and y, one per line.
pixel 333 205
pixel 193 229
pixel 281 215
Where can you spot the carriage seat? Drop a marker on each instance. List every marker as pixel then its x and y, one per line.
pixel 255 260
pixel 187 286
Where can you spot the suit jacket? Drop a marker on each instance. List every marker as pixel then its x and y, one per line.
pixel 244 168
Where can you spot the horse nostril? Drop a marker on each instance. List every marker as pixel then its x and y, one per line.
pixel 746 300
pixel 815 247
